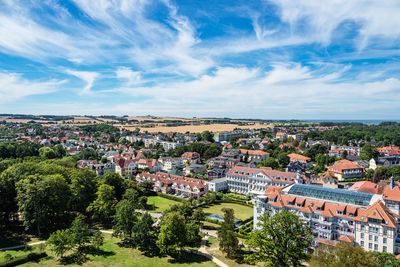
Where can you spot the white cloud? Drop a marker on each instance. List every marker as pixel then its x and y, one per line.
pixel 87 76
pixel 132 77
pixel 13 86
pixel 318 19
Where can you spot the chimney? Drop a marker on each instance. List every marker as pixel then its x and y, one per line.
pixel 392 182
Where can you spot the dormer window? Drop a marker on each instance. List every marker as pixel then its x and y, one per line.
pixel 339 212
pixel 298 205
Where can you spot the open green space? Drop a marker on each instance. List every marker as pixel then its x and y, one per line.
pixel 241 212
pixel 113 255
pixel 160 203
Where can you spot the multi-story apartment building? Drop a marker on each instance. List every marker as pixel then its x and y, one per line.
pixel 346 169
pixel 336 215
pixel 169 145
pixel 169 164
pixel 255 181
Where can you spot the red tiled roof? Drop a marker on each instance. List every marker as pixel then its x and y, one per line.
pixel 365 187
pixel 346 238
pixel 254 152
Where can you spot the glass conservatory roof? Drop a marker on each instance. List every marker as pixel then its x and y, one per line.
pixel 339 195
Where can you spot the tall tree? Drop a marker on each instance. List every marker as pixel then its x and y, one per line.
pixel 172 236
pixel 115 180
pixel 60 242
pixel 228 241
pixel 124 220
pixel 281 240
pixel 103 208
pixel 84 184
pixel 43 201
pixel 144 233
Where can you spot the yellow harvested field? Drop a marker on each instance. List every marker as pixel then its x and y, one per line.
pixel 198 128
pixel 156 118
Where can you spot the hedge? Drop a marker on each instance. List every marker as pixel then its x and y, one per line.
pixel 33 256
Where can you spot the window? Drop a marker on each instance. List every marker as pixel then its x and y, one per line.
pixel 384 240
pixel 384 231
pixel 362 235
pixel 370 237
pixel 370 245
pixel 362 228
pixel 376 247
pixel 384 249
pixel 362 243
pixel 376 238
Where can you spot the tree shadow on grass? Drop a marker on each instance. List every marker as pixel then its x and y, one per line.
pixel 81 256
pixel 187 257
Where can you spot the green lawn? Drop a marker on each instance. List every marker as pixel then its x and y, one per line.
pixel 160 203
pixel 241 212
pixel 116 256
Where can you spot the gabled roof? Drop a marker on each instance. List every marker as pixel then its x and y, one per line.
pixel 344 164
pixel 346 238
pixel 391 194
pixel 379 211
pixel 294 156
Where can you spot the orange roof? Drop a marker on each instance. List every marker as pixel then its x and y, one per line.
pixel 254 152
pixel 346 238
pixel 343 164
pixel 365 187
pixel 294 156
pixel 391 194
pixel 380 212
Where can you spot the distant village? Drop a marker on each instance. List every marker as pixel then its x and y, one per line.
pixel 339 195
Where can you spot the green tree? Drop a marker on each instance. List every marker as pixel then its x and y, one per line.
pixel 147 186
pixel 84 185
pixel 124 221
pixel 60 242
pixel 115 180
pixel 207 136
pixel 60 151
pixel 172 236
pixel 47 153
pixel 228 241
pixel 386 259
pixel 281 240
pixel 97 239
pixel 343 254
pixel 80 234
pixel 270 162
pixel 144 233
pixel 283 159
pixel 103 208
pixel 43 202
pixel 368 151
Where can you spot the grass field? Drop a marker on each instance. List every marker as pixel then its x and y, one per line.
pixel 114 255
pixel 241 212
pixel 160 203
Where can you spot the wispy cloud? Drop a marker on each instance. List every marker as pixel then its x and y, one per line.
pixel 87 76
pixel 13 87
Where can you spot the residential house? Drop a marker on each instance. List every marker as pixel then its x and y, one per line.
pixel 387 161
pixel 152 164
pixel 174 184
pixel 217 185
pixel 255 156
pixel 345 169
pixel 193 157
pixel 125 167
pixel 306 161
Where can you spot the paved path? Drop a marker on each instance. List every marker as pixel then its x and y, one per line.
pixel 23 246
pixel 203 252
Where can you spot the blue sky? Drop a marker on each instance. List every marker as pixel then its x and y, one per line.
pixel 272 59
